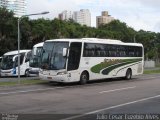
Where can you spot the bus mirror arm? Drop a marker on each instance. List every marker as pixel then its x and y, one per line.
pixel 14 58
pixel 64 52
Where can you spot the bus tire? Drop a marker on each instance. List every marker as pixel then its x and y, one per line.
pixel 27 73
pixel 128 74
pixel 84 78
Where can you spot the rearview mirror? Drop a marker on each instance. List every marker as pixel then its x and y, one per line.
pixel 14 58
pixel 64 52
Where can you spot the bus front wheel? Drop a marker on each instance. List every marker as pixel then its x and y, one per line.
pixel 84 78
pixel 128 74
pixel 27 73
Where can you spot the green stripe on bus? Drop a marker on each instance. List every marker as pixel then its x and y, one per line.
pixel 110 65
pixel 109 69
pixel 128 66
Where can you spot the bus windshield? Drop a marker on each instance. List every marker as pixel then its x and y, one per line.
pixel 7 62
pixel 35 60
pixel 52 57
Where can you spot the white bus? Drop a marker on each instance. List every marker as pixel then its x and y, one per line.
pixel 71 60
pixel 34 62
pixel 9 65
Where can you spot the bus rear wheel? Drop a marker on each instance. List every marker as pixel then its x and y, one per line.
pixel 84 78
pixel 128 74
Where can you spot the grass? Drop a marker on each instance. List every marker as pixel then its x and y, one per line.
pixel 22 82
pixel 158 65
pixel 151 71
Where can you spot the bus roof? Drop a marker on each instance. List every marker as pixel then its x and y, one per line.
pixel 16 52
pixel 96 40
pixel 39 44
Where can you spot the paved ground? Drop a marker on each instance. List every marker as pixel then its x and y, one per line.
pixel 91 101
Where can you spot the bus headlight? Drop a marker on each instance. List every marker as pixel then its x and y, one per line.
pixel 62 73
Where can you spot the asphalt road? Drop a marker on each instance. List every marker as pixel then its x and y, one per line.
pixel 114 99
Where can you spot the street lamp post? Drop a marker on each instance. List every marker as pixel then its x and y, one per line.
pixel 19 19
pixel 18 51
pixel 134 38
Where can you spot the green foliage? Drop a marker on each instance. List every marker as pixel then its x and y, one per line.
pixel 35 31
pixel 7 30
pixel 117 30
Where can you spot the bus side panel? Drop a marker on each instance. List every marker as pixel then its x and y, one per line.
pixel 100 67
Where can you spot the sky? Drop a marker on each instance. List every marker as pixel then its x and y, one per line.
pixel 138 14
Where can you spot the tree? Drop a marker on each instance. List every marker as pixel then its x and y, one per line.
pixel 118 30
pixel 7 30
pixel 35 31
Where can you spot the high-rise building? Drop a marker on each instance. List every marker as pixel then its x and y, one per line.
pixel 105 18
pixel 65 15
pixel 3 3
pixel 82 17
pixel 19 7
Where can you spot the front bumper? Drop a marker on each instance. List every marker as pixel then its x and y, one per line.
pixel 57 78
pixel 5 74
pixel 34 72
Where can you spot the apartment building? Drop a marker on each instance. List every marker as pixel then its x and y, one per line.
pixel 65 15
pixel 3 3
pixel 105 18
pixel 82 17
pixel 19 7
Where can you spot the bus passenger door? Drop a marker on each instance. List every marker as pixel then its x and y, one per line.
pixel 74 61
